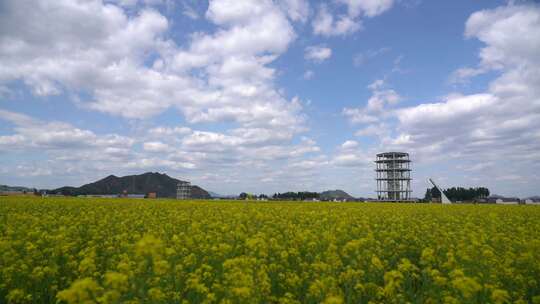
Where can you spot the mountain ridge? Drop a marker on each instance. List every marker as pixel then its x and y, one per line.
pixel 335 194
pixel 162 184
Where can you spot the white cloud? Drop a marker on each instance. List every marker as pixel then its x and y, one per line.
pixel 356 115
pixel 380 130
pixel 124 62
pixel 504 49
pixel 310 164
pixel 325 24
pixel 156 146
pixel 317 53
pixel 369 8
pixel 377 105
pixel 108 59
pixel 381 99
pixel 463 75
pixel 34 134
pixel 161 131
pixel 297 10
pixel 345 24
pixel 352 159
pixel 501 123
pixel 511 34
pixel 465 108
pixel 154 163
pixel 349 144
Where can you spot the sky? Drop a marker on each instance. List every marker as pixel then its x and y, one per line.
pixel 270 96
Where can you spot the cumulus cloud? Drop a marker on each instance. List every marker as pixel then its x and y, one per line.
pixel 326 24
pixel 297 10
pixel 377 105
pixel 500 123
pixel 504 49
pixel 317 53
pixel 506 114
pixel 156 146
pixel 349 144
pixel 164 131
pixel 350 154
pixel 131 69
pixel 123 62
pixel 369 8
pixel 470 133
pixel 31 133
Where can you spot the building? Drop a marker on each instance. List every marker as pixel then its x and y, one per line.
pixel 503 200
pixel 183 190
pixel 532 201
pixel 507 201
pixel 151 195
pixel 135 195
pixel 393 176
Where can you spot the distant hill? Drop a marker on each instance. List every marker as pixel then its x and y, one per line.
pixel 213 194
pixel 162 184
pixel 335 194
pixel 6 188
pixel 217 195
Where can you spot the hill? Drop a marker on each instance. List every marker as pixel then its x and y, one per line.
pixel 162 184
pixel 7 188
pixel 335 194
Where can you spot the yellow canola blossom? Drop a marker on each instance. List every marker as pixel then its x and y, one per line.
pixel 80 250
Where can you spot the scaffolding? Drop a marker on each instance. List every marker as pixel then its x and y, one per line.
pixel 393 177
pixel 183 190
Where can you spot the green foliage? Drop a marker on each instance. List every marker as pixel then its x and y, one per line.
pixel 458 193
pixel 294 196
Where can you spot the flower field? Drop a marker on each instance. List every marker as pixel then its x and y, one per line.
pixel 73 250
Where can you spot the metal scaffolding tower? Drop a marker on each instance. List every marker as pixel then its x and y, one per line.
pixel 393 176
pixel 183 190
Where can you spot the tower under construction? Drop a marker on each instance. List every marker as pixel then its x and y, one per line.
pixel 393 176
pixel 183 190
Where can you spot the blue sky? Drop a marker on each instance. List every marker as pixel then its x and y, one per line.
pixel 268 96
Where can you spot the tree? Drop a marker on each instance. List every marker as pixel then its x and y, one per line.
pixel 427 196
pixel 458 193
pixel 243 196
pixel 293 196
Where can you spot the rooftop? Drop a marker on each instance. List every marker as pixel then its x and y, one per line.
pixel 393 154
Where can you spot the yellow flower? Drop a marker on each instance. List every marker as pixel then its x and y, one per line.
pixel 156 295
pixel 333 300
pixel 81 291
pixel 17 296
pixel 500 296
pixel 116 280
pixel 376 262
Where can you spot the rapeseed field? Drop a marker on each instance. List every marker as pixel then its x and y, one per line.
pixel 72 250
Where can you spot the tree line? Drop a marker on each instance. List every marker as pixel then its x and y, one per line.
pixel 294 196
pixel 458 193
pixel 289 196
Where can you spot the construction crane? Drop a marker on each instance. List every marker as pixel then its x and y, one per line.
pixel 444 198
